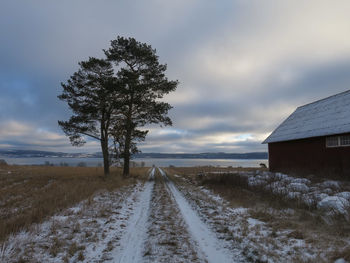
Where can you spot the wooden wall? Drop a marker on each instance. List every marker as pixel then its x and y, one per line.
pixel 309 156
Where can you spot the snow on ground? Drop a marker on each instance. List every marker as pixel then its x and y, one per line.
pixel 328 196
pixel 109 227
pixel 175 221
pixel 334 205
pixel 151 174
pixel 254 239
pixel 213 249
pixel 86 232
pixel 131 248
pixel 168 239
pixel 146 222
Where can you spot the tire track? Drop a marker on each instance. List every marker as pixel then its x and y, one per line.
pixel 208 244
pixel 131 249
pixel 168 239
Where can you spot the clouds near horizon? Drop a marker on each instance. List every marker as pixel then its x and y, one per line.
pixel 243 66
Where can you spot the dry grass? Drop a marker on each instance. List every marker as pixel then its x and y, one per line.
pixel 30 194
pixel 304 224
pixel 234 187
pixel 344 253
pixel 229 184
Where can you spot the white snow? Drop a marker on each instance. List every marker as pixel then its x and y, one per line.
pixel 281 176
pixel 293 195
pixel 95 252
pixel 112 227
pixel 345 195
pixel 319 196
pixel 115 226
pixel 334 204
pixel 257 239
pixel 256 181
pixel 303 190
pixel 340 260
pixel 132 242
pixel 151 174
pixel 331 184
pixel 298 187
pixel 95 225
pixel 254 222
pixel 209 244
pixel 302 181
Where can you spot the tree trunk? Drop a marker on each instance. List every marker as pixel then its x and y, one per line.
pixel 126 169
pixel 104 146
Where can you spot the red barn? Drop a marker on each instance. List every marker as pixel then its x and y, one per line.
pixel 314 139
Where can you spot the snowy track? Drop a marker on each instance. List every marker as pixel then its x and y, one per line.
pixel 146 222
pixel 132 242
pixel 165 219
pixel 168 239
pixel 210 246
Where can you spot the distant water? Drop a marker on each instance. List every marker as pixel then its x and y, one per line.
pixel 92 162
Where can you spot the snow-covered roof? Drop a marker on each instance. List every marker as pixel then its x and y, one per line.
pixel 320 118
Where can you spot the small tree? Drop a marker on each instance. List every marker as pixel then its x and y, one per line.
pixel 91 95
pixel 142 83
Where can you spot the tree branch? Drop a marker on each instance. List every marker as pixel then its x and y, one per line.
pixel 93 136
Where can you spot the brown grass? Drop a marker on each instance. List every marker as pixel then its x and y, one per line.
pixel 30 194
pixel 234 187
pixel 344 253
pixel 305 223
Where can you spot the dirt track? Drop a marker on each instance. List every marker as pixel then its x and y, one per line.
pixel 168 218
pixel 164 228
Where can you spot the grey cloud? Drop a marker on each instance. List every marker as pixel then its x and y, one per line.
pixel 207 46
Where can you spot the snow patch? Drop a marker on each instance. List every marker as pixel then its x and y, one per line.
pixel 298 187
pixel 345 195
pixel 334 205
pixel 331 184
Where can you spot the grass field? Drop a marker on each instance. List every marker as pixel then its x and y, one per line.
pixel 30 194
pixel 281 215
pixel 81 218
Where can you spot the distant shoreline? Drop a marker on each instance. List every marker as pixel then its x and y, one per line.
pixel 220 155
pixel 148 162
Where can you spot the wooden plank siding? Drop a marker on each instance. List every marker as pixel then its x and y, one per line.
pixel 310 156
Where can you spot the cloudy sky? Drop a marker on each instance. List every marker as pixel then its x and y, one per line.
pixel 243 66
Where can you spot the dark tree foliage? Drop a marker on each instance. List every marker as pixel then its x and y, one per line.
pixel 91 94
pixel 112 104
pixel 141 84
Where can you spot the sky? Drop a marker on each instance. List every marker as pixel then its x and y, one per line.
pixel 242 66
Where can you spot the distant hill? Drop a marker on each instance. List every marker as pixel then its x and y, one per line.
pixel 34 153
pixel 219 155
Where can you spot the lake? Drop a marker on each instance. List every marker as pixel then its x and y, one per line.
pixel 162 162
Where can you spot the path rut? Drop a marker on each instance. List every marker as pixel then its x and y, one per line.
pixel 213 249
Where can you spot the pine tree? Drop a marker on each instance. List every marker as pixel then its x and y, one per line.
pixel 91 94
pixel 141 85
